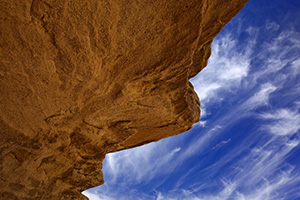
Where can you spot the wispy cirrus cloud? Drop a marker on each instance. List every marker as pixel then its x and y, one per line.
pixel 230 67
pixel 262 173
pixel 282 122
pixel 221 144
pixel 261 97
pixel 280 54
pixel 125 165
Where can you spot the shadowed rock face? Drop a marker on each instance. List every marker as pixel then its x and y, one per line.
pixel 79 79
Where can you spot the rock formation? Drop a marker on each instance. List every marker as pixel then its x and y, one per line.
pixel 81 78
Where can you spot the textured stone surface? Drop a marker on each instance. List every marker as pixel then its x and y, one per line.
pixel 79 79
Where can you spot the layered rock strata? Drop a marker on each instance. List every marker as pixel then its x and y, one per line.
pixel 82 78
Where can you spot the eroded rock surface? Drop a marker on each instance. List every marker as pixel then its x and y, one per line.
pixel 81 78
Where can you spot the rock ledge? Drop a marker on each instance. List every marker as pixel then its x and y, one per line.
pixel 79 79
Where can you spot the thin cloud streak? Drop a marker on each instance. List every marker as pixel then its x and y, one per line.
pixel 259 175
pixel 284 122
pixel 221 144
pixel 124 164
pixel 261 97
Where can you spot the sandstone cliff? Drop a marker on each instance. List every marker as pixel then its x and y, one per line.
pixel 81 78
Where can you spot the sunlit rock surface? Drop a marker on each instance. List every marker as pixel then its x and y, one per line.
pixel 80 79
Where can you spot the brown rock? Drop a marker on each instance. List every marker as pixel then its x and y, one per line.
pixel 79 79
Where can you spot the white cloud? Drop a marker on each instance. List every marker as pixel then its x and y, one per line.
pixel 261 97
pixel 140 164
pixel 283 122
pixel 200 124
pixel 221 144
pixel 225 69
pixel 296 66
pixel 205 90
pixel 266 191
pixel 204 113
pixel 175 150
pixel 279 53
pixel 272 26
pixel 93 196
pixel 200 144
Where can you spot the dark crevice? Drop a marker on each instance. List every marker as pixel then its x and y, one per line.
pixel 52 116
pixel 97 127
pixel 166 125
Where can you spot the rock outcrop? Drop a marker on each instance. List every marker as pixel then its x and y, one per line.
pixel 81 78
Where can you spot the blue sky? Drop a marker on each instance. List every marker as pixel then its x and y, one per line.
pixel 247 143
